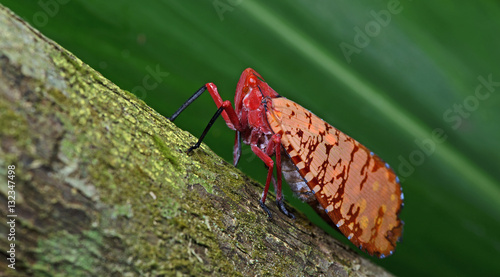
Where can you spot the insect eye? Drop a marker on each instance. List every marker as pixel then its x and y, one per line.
pixel 252 81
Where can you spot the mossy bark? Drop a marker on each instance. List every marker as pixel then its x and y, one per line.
pixel 104 186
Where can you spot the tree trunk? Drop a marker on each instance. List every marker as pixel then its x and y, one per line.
pixel 103 186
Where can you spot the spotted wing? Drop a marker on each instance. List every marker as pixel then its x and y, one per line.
pixel 359 191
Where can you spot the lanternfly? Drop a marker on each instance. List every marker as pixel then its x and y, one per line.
pixel 347 184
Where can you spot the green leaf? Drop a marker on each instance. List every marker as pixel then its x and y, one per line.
pixel 417 82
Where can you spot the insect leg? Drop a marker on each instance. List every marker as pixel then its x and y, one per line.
pixel 270 165
pixel 275 146
pixel 237 148
pixel 224 107
pixel 187 103
pixel 210 123
pixel 228 114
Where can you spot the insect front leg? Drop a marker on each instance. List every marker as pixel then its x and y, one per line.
pixel 229 115
pixel 225 108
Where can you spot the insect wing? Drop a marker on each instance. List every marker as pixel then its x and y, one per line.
pixel 359 191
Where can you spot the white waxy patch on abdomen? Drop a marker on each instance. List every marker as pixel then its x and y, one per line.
pixel 295 180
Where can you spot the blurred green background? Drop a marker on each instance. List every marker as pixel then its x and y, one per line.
pixel 417 82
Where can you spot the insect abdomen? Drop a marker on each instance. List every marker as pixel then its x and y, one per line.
pixel 295 180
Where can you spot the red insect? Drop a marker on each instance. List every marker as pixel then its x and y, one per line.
pixel 357 192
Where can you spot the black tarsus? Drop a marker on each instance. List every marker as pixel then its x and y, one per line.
pixel 188 102
pixel 214 118
pixel 281 206
pixel 266 209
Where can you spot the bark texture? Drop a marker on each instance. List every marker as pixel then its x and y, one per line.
pixel 104 186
